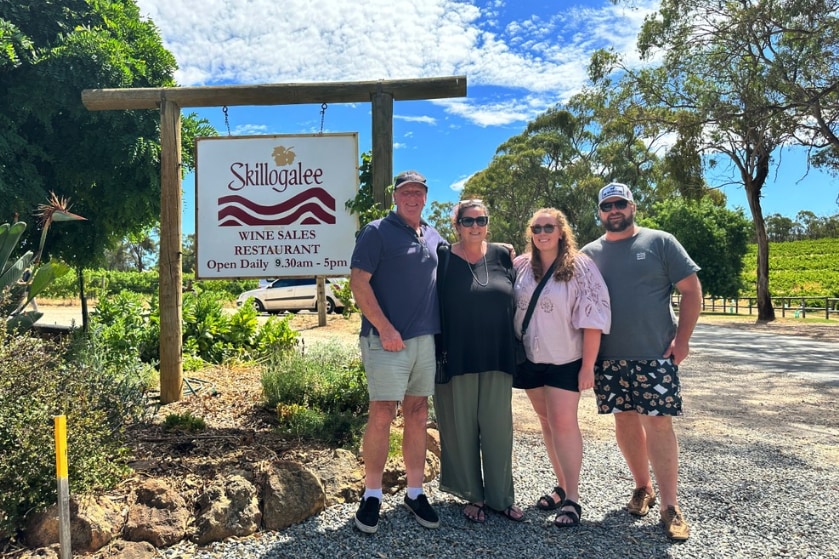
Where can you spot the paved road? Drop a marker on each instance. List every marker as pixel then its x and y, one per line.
pixel 796 355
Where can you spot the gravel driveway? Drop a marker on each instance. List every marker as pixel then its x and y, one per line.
pixel 759 478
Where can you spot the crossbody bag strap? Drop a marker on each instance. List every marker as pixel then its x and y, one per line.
pixel 532 306
pixel 446 255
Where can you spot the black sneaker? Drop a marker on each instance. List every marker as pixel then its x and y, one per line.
pixel 423 512
pixel 367 517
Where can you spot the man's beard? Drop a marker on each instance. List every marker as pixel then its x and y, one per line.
pixel 619 226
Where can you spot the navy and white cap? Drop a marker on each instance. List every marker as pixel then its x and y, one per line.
pixel 409 177
pixel 614 190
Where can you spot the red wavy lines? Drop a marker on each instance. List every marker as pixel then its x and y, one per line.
pixel 310 207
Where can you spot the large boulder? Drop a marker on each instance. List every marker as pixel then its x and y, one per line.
pixel 291 493
pixel 227 508
pixel 159 515
pixel 342 477
pixel 94 522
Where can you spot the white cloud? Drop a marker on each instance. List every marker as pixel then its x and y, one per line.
pixel 537 57
pixel 424 119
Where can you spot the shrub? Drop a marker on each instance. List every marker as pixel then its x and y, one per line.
pixel 211 334
pixel 320 393
pixel 184 422
pixel 98 394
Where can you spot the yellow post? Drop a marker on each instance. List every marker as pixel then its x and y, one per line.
pixel 63 487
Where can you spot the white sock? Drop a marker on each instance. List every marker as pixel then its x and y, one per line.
pixel 377 493
pixel 414 492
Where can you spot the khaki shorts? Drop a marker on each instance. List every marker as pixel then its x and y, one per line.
pixel 392 375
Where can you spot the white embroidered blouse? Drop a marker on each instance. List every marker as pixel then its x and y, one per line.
pixel 563 310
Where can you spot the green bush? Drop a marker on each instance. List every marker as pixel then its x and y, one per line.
pixel 320 393
pixel 211 333
pixel 99 394
pixel 184 422
pixel 101 283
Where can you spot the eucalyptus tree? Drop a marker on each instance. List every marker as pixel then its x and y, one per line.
pixel 803 58
pixel 563 157
pixel 709 82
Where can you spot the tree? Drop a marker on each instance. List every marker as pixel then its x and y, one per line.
pixel 107 162
pixel 440 217
pixel 564 157
pixel 780 228
pixel 804 69
pixel 716 238
pixel 188 258
pixel 364 204
pixel 712 88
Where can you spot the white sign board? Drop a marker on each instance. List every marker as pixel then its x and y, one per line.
pixel 274 206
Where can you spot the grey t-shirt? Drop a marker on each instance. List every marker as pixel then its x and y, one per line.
pixel 640 273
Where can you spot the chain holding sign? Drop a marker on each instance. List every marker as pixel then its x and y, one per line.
pixel 275 206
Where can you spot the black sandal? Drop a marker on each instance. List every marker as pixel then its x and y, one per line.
pixel 510 512
pixel 480 513
pixel 574 515
pixel 549 503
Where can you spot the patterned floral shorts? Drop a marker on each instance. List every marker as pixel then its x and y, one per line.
pixel 646 387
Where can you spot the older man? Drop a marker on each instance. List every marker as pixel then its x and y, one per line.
pixel 393 280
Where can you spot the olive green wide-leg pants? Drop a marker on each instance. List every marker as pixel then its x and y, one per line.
pixel 475 419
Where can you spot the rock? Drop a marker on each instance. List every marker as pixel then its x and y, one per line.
pixel 94 521
pixel 432 442
pixel 158 516
pixel 51 552
pixel 122 549
pixel 342 477
pixel 395 479
pixel 228 508
pixel 291 493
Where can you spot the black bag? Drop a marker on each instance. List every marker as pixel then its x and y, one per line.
pixel 442 375
pixel 521 355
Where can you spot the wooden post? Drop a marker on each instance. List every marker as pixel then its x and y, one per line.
pixel 171 277
pixel 382 171
pixel 320 291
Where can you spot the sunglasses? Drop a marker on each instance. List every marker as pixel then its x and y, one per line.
pixel 607 206
pixel 549 228
pixel 481 220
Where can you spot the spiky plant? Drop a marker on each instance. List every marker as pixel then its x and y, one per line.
pixel 21 280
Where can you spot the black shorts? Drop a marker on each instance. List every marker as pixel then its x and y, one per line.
pixel 536 375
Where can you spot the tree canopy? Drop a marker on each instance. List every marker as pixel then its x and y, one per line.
pixel 716 238
pixel 107 162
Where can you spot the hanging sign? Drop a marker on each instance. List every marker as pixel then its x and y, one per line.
pixel 274 206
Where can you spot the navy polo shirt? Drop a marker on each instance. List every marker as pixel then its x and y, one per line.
pixel 403 265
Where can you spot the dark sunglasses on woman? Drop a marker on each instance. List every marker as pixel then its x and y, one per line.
pixel 481 220
pixel 549 228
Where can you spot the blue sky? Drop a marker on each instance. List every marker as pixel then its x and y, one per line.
pixel 520 58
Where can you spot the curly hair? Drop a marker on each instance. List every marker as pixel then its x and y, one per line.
pixel 567 246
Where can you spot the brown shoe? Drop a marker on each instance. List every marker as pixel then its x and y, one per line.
pixel 674 524
pixel 641 501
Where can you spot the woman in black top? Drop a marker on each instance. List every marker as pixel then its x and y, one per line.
pixel 474 410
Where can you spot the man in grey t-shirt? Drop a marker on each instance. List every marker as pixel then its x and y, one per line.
pixel 636 377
